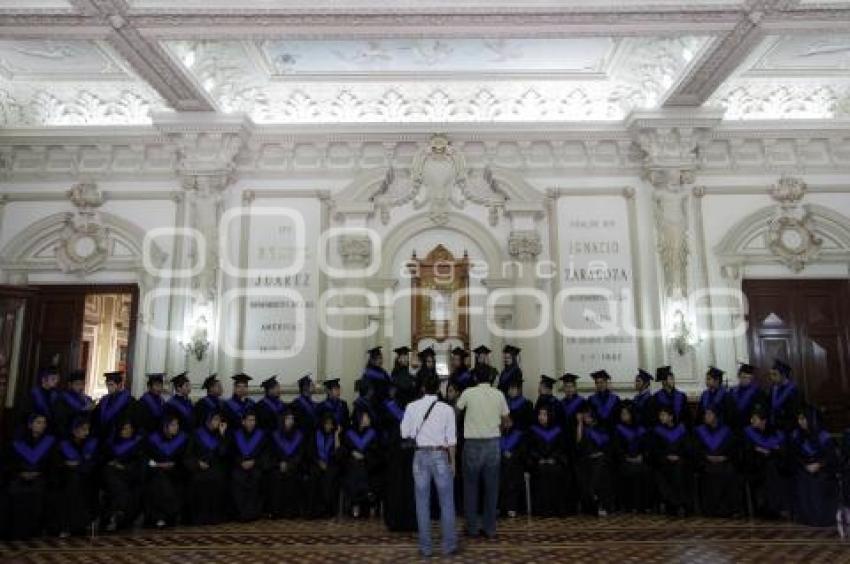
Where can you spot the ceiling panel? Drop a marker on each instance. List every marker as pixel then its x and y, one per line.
pixel 48 59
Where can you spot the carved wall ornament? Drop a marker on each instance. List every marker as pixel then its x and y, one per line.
pixel 83 245
pixel 85 196
pixel 788 191
pixel 671 224
pixel 524 245
pixel 355 249
pixel 793 241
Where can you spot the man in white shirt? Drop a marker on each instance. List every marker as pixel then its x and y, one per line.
pixel 486 410
pixel 432 424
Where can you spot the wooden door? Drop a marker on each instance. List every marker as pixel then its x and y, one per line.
pixel 805 323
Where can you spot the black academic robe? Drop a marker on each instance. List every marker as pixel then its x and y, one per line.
pixel 606 408
pixel 719 399
pixel 41 401
pixel 720 483
pixel 568 408
pixel 635 485
pixel 379 380
pixel 28 468
pixel 462 379
pixel 513 447
pixel 361 404
pixel 548 464
pixel 675 399
pixel 163 498
pixel 742 400
pixel 672 477
pixel 323 475
pixel 246 492
pixel 362 467
pixel 785 401
pixel 594 453
pixel 765 463
pixel 399 497
pixel 508 375
pixel 67 406
pixel 404 383
pixel 269 410
pixel 643 409
pixel 181 407
pixel 203 407
pixel 285 480
pixel 233 409
pixel 554 405
pixel 206 464
pixel 149 411
pixel 522 412
pixel 111 409
pixel 123 479
pixel 486 373
pixel 74 504
pixel 338 408
pixel 306 413
pixel 815 498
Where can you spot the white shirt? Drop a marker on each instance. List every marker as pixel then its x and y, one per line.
pixel 437 431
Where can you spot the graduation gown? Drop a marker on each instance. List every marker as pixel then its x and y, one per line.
pixel 110 409
pixel 606 408
pixel 124 469
pixel 41 401
pixel 720 484
pixel 513 446
pixel 163 499
pixel 28 494
pixel 362 404
pixel 462 379
pixel 75 498
pixel 399 498
pixel 569 407
pixel 203 407
pixel 675 399
pixel 815 500
pixel 547 459
pixel 205 461
pixel 323 488
pixel 635 486
pixel 306 413
pixel 245 484
pixel 522 412
pixel 593 463
pixel 767 471
pixel 404 383
pixel 67 406
pixel 554 405
pixel 149 412
pixel 508 375
pixel 233 409
pixel 362 461
pixel 379 379
pixel 643 409
pixel 181 407
pixel 338 408
pixel 269 409
pixel 672 478
pixel 742 400
pixel 720 400
pixel 285 476
pixel 785 400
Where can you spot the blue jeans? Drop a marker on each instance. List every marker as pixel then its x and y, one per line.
pixel 427 465
pixel 481 460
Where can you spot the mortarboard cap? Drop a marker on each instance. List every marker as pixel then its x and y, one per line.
pixel 210 381
pixel 116 377
pixel 458 351
pixel 600 375
pixel 482 349
pixel 241 378
pixel 782 367
pixel 374 351
pixel 402 350
pixel 155 377
pixel 546 380
pixel 715 373
pixel 75 376
pixel 662 373
pixel 515 380
pixel 270 383
pixel 569 377
pixel 427 352
pixel 332 383
pixel 644 375
pixel 511 350
pixel 179 380
pixel 305 380
pixel 745 368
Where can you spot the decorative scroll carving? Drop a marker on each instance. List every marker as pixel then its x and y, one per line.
pixel 524 245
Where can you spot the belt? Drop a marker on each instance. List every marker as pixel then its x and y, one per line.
pixel 432 448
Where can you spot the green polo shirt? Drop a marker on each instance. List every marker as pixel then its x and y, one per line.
pixel 485 406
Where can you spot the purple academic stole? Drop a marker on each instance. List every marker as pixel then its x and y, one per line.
pixel 712 440
pixel 325 446
pixel 600 438
pixel 641 398
pixel 670 435
pixel 604 408
pixel 32 455
pixel 570 407
pixel 75 401
pixel 360 442
pixel 394 410
pixel 743 398
pixel 274 404
pixel 155 405
pixel 308 406
pixel 287 447
pixel 71 452
pixel 123 447
pixel 506 376
pixel 769 442
pixel 238 407
pixel 376 373
pixel 42 399
pixel 167 447
pixel 548 435
pixel 677 400
pixel 781 393
pixel 111 405
pixel 183 405
pixel 207 439
pixel 711 398
pixel 509 442
pixel 248 445
pixel 809 447
pixel 631 435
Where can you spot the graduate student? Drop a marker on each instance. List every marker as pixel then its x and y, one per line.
pixel 28 465
pixel 206 463
pixel 669 448
pixel 74 504
pixel 548 464
pixel 71 402
pixel 270 407
pixel 115 406
pixel 427 368
pixel 247 464
pixel 180 404
pixel 633 480
pixel 401 378
pixel 323 472
pixel 785 398
pixel 546 398
pixel 715 396
pixel 668 396
pixel 123 475
pixel 163 497
pixel 239 403
pixel 210 402
pixel 362 466
pixel 482 365
pixel 716 461
pixel 815 466
pixel 334 404
pixel 374 373
pixel 593 455
pixel 765 463
pixel 604 403
pixel 285 478
pixel 306 410
pixel 399 497
pixel 643 398
pixel 522 411
pixel 459 374
pixel 744 397
pixel 511 370
pixel 41 398
pixel 512 446
pixel 151 404
pixel 570 406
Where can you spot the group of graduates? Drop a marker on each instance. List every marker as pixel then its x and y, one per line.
pixel 73 462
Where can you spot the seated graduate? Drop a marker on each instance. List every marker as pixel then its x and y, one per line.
pixel 459 373
pixel 374 373
pixel 149 409
pixel 210 402
pixel 594 453
pixel 604 403
pixel 365 401
pixel 323 473
pixel 522 411
pixel 124 466
pixel 643 398
pixel 306 410
pixel 635 486
pixel 668 396
pixel 285 480
pixel 399 510
pixel 570 406
pixel 765 465
pixel 744 397
pixel 815 461
pixel 115 406
pixel 717 452
pixel 548 464
pixel 247 465
pixel 334 404
pixel 235 408
pixel 401 377
pixel 28 466
pixel 74 504
pixel 512 446
pixel 180 403
pixel 715 396
pixel 362 465
pixel 511 370
pixel 669 453
pixel 71 402
pixel 163 498
pixel 270 407
pixel 785 398
pixel 206 465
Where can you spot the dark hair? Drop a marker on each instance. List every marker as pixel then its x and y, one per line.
pixel 431 383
